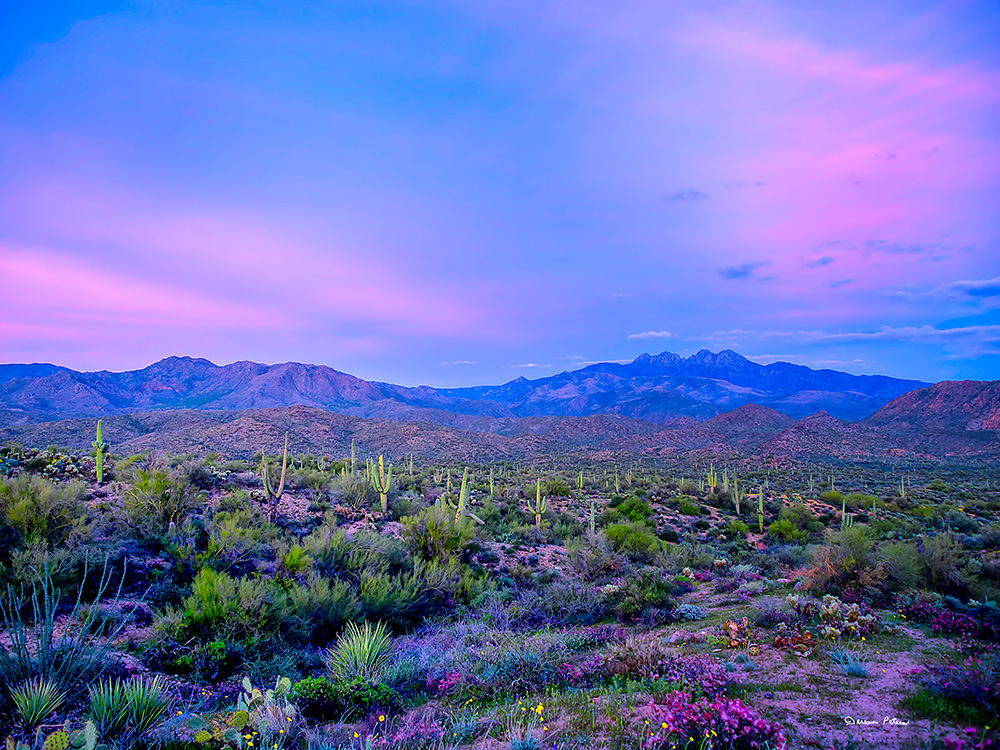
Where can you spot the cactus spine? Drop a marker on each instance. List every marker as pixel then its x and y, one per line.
pixel 538 508
pixel 272 495
pixel 381 481
pixel 99 449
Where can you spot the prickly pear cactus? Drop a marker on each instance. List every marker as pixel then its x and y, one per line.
pixel 89 735
pixel 58 740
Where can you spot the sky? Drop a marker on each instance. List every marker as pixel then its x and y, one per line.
pixel 467 191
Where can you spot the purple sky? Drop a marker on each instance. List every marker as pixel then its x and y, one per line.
pixel 456 193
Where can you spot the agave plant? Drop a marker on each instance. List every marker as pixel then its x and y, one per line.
pixel 35 700
pixel 127 711
pixel 361 653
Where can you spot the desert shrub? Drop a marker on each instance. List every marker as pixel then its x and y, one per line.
pixel 593 558
pixel 944 557
pixel 433 534
pixel 154 499
pixel 556 488
pixel 795 524
pixel 355 700
pixel 689 613
pixel 688 508
pixel 631 509
pixel 317 698
pixel 39 510
pixel 902 564
pixel 321 607
pixel 634 540
pixel 847 557
pixel 222 605
pixel 648 590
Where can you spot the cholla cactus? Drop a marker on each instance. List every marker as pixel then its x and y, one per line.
pixel 538 508
pixel 831 610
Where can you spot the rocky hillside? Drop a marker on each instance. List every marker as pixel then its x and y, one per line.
pixel 963 405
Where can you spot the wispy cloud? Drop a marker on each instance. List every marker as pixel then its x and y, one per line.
pixel 820 262
pixel 653 335
pixel 458 362
pixel 840 282
pixel 530 365
pixel 742 272
pixel 686 196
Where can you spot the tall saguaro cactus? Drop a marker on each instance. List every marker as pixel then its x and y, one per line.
pixel 760 510
pixel 538 508
pixel 272 495
pixel 461 507
pixel 100 448
pixel 381 481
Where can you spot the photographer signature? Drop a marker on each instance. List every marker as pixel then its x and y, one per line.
pixel 886 722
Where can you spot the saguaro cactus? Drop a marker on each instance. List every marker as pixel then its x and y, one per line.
pixel 461 508
pixel 381 481
pixel 713 479
pixel 271 495
pixel 100 447
pixel 760 511
pixel 538 508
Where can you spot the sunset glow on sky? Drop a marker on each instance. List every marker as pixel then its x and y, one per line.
pixel 455 193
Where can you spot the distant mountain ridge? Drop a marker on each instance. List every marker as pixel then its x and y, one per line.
pixel 661 389
pixel 914 427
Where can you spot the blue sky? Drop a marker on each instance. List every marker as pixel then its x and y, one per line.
pixel 455 193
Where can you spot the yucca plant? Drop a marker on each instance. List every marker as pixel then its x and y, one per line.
pixel 361 653
pixel 125 712
pixel 35 701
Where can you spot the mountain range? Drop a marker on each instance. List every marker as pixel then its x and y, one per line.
pixel 663 388
pixel 662 405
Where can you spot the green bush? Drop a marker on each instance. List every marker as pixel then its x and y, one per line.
pixel 635 540
pixel 358 699
pixel 318 698
pixel 37 509
pixel 221 604
pixel 688 508
pixel 645 591
pixel 321 607
pixel 433 534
